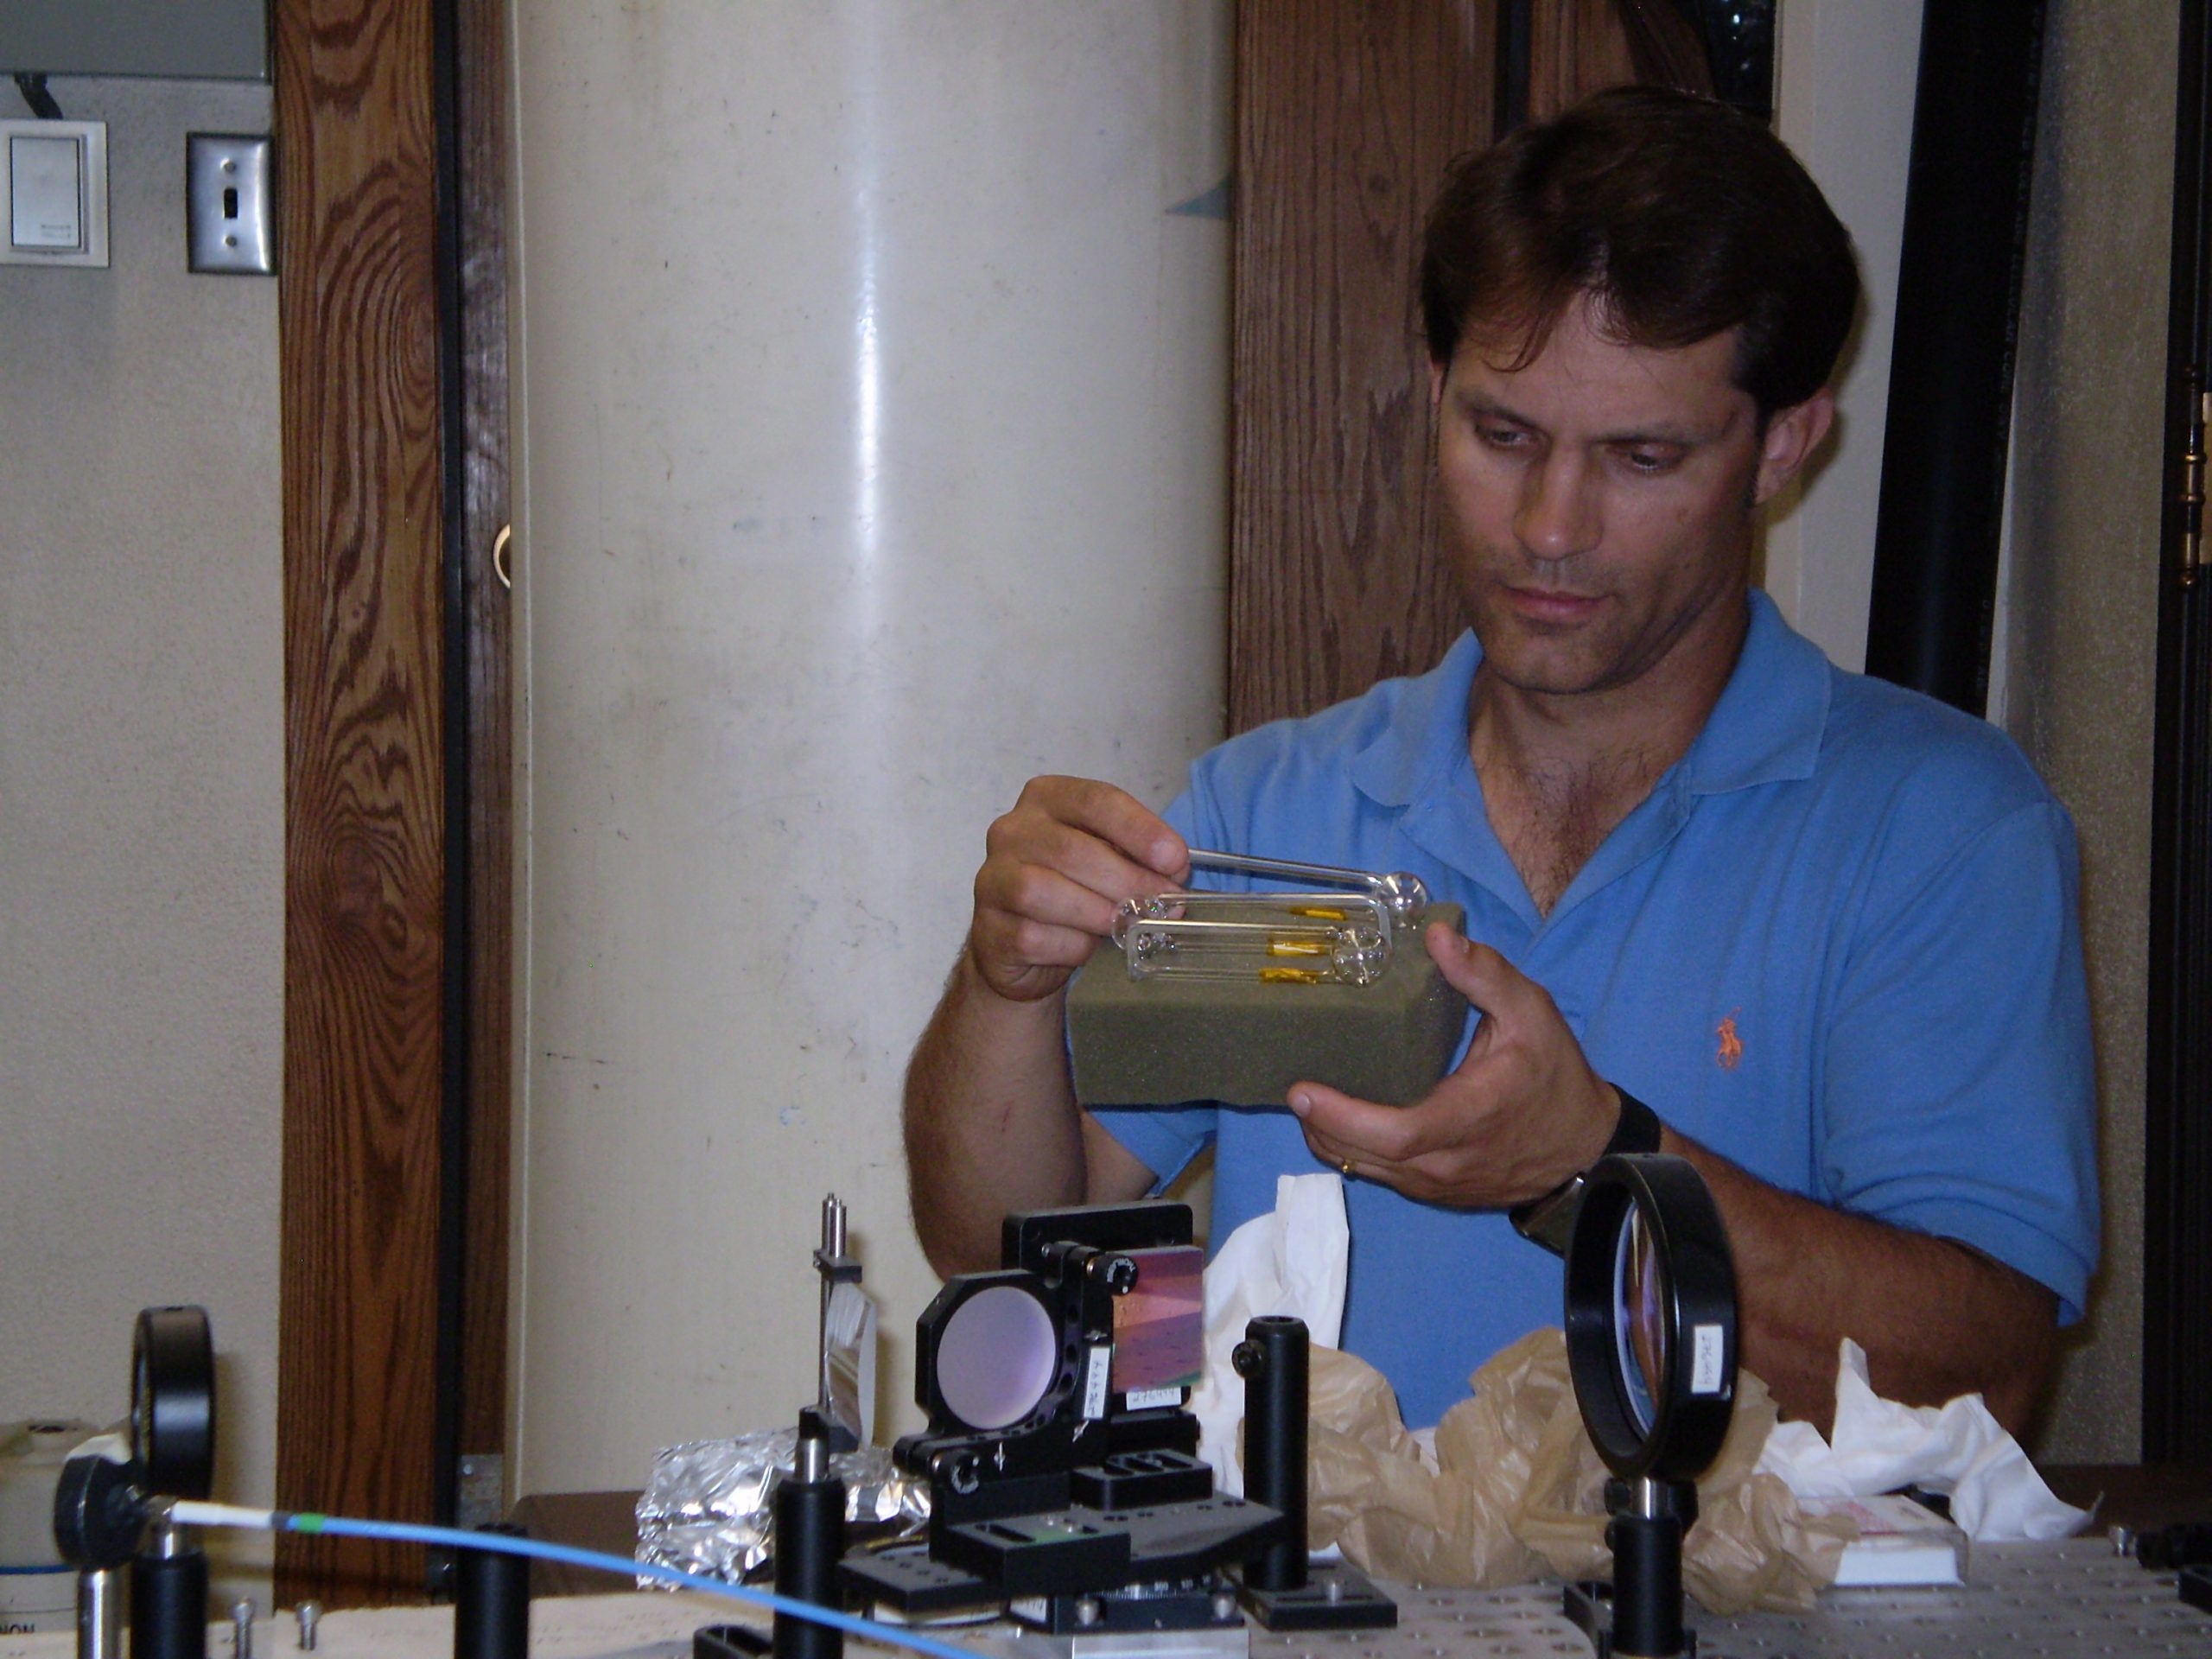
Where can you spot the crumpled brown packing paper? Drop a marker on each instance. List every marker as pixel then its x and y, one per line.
pixel 1520 1492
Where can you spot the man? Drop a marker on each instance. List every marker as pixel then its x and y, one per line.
pixel 1827 928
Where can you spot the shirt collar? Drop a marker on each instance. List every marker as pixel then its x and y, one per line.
pixel 1772 714
pixel 1765 729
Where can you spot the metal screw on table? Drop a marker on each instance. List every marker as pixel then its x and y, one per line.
pixel 309 1613
pixel 242 1629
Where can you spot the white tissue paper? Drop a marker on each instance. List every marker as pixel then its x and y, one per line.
pixel 1291 1261
pixel 1878 1446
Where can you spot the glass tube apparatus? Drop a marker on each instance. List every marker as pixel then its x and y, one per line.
pixel 1341 935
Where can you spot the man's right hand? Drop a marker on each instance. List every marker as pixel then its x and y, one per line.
pixel 1055 868
pixel 991 1118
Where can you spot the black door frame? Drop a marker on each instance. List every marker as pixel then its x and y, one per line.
pixel 2177 1125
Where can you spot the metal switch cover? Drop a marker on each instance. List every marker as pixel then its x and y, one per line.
pixel 231 208
pixel 53 193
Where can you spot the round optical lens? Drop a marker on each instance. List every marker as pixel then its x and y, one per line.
pixel 1639 1326
pixel 996 1357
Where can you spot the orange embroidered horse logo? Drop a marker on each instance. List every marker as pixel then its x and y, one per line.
pixel 1732 1046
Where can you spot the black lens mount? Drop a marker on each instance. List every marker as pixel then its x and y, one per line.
pixel 173 1400
pixel 1650 1318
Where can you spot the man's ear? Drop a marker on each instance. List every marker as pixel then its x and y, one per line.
pixel 1792 435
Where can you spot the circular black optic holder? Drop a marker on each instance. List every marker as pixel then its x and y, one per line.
pixel 173 1400
pixel 1650 1319
pixel 991 1353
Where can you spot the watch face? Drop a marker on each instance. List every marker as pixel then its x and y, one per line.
pixel 1549 1221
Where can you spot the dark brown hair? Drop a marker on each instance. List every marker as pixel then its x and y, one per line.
pixel 1678 215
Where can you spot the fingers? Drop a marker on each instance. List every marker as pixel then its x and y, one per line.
pixel 1115 817
pixel 1339 1125
pixel 1055 868
pixel 1482 976
pixel 1522 1111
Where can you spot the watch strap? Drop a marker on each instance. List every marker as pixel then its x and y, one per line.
pixel 1638 1129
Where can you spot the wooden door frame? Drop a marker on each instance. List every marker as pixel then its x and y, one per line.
pixel 391 1341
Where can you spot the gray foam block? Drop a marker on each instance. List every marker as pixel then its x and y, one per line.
pixel 1158 1042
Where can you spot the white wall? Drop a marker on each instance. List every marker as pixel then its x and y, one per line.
pixel 872 456
pixel 141 794
pixel 2083 580
pixel 1846 73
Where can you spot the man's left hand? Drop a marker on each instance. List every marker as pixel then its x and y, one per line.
pixel 1521 1113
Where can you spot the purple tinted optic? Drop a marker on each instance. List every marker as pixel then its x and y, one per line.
pixel 996 1357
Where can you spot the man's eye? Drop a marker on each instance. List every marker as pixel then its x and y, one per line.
pixel 1502 438
pixel 1651 460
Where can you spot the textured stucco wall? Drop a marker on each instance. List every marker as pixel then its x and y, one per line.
pixel 141 793
pixel 878 463
pixel 2083 598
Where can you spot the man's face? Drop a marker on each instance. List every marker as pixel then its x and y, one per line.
pixel 1601 501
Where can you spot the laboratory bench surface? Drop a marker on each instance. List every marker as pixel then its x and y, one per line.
pixel 2131 1495
pixel 2077 1598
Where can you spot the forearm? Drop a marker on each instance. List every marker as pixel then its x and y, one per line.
pixel 991 1123
pixel 1936 1318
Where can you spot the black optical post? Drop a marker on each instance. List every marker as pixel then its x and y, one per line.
pixel 1650 1321
pixel 172 1431
pixel 1280 1586
pixel 810 1543
pixel 112 1503
pixel 1273 1359
pixel 490 1601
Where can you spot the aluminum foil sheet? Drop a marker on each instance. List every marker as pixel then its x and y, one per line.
pixel 706 1507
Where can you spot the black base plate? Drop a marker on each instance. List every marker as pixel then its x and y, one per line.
pixel 729 1642
pixel 1335 1597
pixel 1195 1605
pixel 2196 1583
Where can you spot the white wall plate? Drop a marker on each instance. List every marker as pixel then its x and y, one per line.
pixel 31 161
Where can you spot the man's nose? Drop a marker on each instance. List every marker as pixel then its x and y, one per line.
pixel 1559 515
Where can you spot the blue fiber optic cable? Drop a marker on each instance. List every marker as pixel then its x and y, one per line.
pixel 198 1513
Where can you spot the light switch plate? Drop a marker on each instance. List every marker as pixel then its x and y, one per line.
pixel 230 203
pixel 35 163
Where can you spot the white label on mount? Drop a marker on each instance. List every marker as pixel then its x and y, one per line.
pixel 1096 1370
pixel 1705 1359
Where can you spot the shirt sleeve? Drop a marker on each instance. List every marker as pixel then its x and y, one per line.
pixel 1164 1139
pixel 1959 1096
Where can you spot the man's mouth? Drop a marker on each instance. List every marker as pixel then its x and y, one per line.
pixel 1551 604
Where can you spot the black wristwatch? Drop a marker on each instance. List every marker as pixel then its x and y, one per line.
pixel 1549 1221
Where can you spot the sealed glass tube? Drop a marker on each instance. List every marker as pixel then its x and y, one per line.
pixel 1402 892
pixel 1287 939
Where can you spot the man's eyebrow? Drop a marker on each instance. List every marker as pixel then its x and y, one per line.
pixel 1659 433
pixel 1485 405
pixel 1477 403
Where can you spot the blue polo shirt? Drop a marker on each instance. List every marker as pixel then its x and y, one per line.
pixel 1839 944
